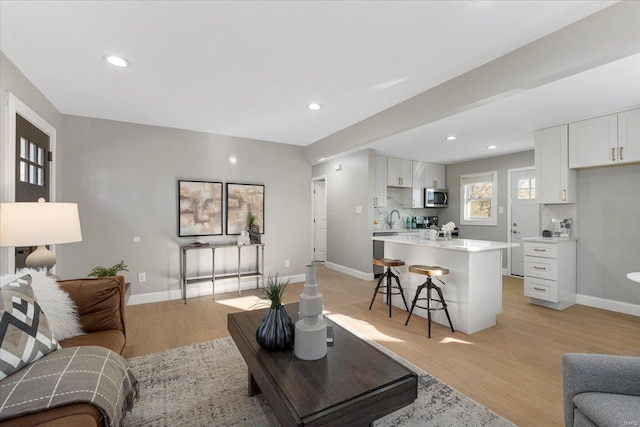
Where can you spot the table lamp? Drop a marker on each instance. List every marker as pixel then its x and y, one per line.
pixel 39 224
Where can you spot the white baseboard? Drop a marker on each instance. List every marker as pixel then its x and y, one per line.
pixel 202 289
pixel 607 304
pixel 350 271
pixel 505 271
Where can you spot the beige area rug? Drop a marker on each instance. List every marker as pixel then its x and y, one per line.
pixel 206 385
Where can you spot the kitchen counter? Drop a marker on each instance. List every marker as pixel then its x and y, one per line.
pixel 473 288
pixel 548 239
pixel 466 245
pixel 399 231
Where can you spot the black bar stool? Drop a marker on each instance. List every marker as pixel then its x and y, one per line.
pixel 388 274
pixel 429 271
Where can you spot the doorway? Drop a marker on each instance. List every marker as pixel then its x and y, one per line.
pixel 10 171
pixel 32 172
pixel 319 210
pixel 524 215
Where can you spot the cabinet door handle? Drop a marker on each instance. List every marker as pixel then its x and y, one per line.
pixel 613 154
pixel 539 268
pixel 540 250
pixel 621 158
pixel 399 181
pixel 564 195
pixel 539 289
pixel 413 202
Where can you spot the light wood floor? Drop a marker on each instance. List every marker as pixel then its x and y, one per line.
pixel 512 368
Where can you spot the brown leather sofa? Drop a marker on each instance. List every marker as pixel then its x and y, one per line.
pixel 101 305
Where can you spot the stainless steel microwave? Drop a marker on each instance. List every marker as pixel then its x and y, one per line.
pixel 435 198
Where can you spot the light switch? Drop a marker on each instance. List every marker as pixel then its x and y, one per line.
pixel 500 210
pixel 358 209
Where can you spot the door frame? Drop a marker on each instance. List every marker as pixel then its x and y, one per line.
pixel 313 210
pixel 8 146
pixel 509 201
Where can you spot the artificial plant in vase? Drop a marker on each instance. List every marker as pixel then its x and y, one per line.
pixel 276 331
pixel 108 271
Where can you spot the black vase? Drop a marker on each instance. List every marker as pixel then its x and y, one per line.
pixel 276 330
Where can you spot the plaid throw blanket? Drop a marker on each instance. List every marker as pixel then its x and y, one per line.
pixel 87 374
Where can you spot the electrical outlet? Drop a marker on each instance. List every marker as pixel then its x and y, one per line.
pixel 287 263
pixel 142 277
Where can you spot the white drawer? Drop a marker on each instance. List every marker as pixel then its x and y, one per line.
pixel 541 289
pixel 542 268
pixel 546 250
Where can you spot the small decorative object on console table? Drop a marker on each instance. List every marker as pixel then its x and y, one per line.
pixel 275 332
pixel 311 329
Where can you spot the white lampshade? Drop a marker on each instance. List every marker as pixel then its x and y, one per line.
pixel 39 224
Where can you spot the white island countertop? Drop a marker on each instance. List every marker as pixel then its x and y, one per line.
pixel 466 245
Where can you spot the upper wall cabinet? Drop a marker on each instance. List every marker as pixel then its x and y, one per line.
pixel 380 182
pixel 434 176
pixel 417 193
pixel 399 173
pixel 607 140
pixel 629 136
pixel 555 182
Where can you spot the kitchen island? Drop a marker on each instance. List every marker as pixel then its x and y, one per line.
pixel 473 289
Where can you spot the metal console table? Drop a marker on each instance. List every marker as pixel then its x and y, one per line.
pixel 184 280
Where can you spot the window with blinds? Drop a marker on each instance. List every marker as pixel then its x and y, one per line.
pixel 479 194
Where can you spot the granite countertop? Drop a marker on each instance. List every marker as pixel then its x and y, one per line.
pixel 399 230
pixel 466 245
pixel 548 239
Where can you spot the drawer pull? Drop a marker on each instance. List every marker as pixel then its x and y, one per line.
pixel 540 250
pixel 539 289
pixel 539 268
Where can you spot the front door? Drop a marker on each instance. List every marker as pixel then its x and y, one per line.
pixel 32 171
pixel 525 215
pixel 319 220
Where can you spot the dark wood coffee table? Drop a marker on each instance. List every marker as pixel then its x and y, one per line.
pixel 354 384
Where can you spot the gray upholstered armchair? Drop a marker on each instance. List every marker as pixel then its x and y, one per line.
pixel 601 390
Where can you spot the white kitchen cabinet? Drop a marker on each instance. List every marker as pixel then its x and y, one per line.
pixel 399 173
pixel 417 192
pixel 555 182
pixel 593 142
pixel 550 272
pixel 629 136
pixel 607 140
pixel 380 181
pixel 434 176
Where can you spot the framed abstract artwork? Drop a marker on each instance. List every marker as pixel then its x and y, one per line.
pixel 199 208
pixel 244 202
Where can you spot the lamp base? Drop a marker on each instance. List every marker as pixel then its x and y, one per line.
pixel 41 258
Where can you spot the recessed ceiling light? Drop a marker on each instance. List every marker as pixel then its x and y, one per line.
pixel 452 138
pixel 117 61
pixel 233 160
pixel 492 147
pixel 314 106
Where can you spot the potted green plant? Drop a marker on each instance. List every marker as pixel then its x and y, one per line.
pixel 110 271
pixel 276 331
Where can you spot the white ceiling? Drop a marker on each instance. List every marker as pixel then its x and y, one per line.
pixel 249 68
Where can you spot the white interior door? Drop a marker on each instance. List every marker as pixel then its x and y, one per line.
pixel 319 220
pixel 525 215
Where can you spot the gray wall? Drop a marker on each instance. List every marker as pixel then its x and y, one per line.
pixel 609 241
pixel 12 80
pixel 124 178
pixel 501 164
pixel 349 241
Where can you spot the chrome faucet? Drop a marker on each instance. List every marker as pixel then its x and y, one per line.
pixel 391 222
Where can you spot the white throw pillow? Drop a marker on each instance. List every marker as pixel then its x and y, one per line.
pixel 57 305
